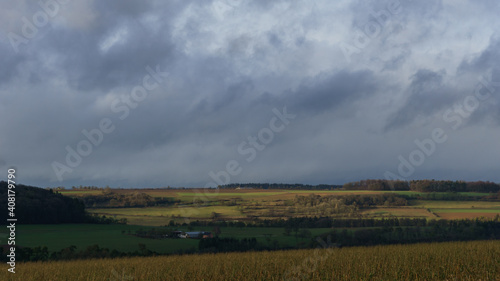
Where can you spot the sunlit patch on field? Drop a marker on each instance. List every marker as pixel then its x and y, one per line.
pixel 399 212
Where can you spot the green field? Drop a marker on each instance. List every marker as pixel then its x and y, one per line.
pixel 399 212
pixel 57 237
pixel 455 210
pixel 157 216
pixel 187 195
pixel 459 209
pixel 206 196
pixel 199 212
pixel 431 204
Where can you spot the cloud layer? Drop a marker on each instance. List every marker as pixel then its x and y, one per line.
pixel 365 81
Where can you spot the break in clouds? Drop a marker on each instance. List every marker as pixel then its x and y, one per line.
pixel 197 93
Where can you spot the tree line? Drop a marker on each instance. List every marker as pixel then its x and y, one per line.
pixel 27 254
pixel 44 206
pixel 37 205
pixel 380 184
pixel 457 230
pixel 326 222
pixel 296 186
pixel 363 201
pixel 341 205
pixel 109 199
pixel 424 185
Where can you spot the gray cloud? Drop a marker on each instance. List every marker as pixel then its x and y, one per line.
pixel 427 95
pixel 328 92
pixel 485 64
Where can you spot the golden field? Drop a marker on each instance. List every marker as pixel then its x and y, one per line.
pixel 477 260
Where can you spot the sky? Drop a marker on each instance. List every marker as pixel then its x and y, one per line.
pixel 203 93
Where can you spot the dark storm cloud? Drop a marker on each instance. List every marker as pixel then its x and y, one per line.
pixel 9 64
pixel 486 65
pixel 89 64
pixel 327 92
pixel 427 95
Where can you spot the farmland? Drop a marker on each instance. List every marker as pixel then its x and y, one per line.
pixel 260 224
pixel 247 204
pixel 244 205
pixel 182 209
pixel 189 194
pixel 478 260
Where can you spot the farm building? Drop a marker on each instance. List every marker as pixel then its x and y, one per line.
pixel 196 235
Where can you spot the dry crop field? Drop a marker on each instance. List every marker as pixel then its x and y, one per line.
pixel 478 260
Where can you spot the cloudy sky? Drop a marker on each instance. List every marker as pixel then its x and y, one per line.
pixel 196 93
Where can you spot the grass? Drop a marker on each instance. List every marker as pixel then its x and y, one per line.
pixel 146 220
pixel 230 194
pixel 475 193
pixel 198 212
pixel 190 194
pixel 455 204
pixel 59 236
pixel 478 260
pixel 459 209
pixel 453 210
pixel 399 212
pixel 157 216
